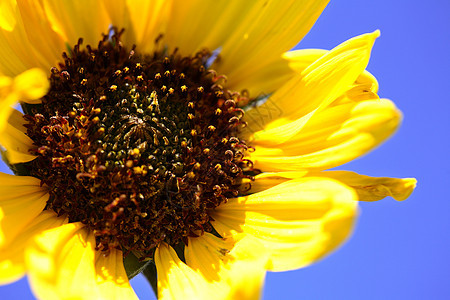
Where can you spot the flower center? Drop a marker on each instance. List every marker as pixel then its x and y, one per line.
pixel 138 147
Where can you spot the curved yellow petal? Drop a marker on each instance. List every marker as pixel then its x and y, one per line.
pixel 15 141
pixel 14 43
pixel 263 33
pixel 267 180
pixel 249 269
pixel 12 263
pixel 62 263
pixel 22 199
pixel 190 33
pixel 144 21
pixel 250 34
pixel 266 79
pixel 78 19
pixel 28 86
pixel 12 266
pixel 7 20
pixel 332 137
pixel 178 281
pixel 315 88
pixel 236 268
pixel 21 35
pixel 374 188
pixel 112 279
pixel 31 85
pixel 298 221
pixel 37 26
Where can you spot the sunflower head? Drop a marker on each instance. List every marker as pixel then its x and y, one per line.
pixel 133 152
pixel 138 147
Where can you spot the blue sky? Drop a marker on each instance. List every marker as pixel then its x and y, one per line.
pixel 399 250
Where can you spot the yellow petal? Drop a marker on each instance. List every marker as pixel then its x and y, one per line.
pixel 31 85
pixel 143 21
pixel 21 200
pixel 12 267
pixel 12 264
pixel 7 20
pixel 332 137
pixel 374 188
pixel 21 35
pixel 36 26
pixel 28 87
pixel 14 44
pixel 60 262
pixel 191 33
pixel 178 281
pixel 78 19
pixel 248 272
pixel 267 180
pixel 315 88
pixel 236 268
pixel 63 264
pixel 263 33
pixel 249 33
pixel 112 279
pixel 15 141
pixel 266 79
pixel 298 221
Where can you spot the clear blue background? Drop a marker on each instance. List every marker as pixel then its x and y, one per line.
pixel 400 250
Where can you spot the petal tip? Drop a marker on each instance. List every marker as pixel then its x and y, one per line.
pixel 376 33
pixel 409 184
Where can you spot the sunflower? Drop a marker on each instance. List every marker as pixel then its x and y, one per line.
pixel 181 140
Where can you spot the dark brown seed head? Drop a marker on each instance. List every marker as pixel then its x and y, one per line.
pixel 137 147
